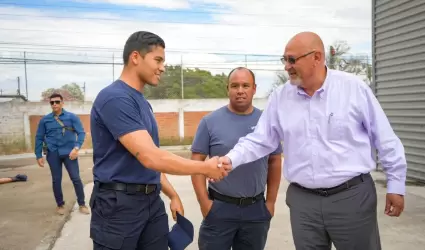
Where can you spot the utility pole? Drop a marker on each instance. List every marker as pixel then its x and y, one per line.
pixel 113 67
pixel 332 57
pixel 26 78
pixel 1 92
pixel 246 62
pixel 19 85
pixel 181 75
pixel 84 92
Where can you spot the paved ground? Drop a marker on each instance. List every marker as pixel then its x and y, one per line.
pixel 27 209
pixel 405 232
pixel 28 221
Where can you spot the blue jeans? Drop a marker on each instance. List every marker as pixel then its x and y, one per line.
pixel 55 163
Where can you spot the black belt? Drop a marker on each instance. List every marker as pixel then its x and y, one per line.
pixel 240 201
pixel 334 190
pixel 131 188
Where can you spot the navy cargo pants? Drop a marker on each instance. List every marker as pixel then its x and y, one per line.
pixel 55 163
pixel 238 227
pixel 128 220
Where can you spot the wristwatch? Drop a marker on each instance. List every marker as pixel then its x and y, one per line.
pixel 77 148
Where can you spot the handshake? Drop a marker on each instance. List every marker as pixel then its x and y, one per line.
pixel 217 168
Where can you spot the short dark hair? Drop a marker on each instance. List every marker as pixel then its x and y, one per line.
pixel 240 68
pixel 143 42
pixel 54 95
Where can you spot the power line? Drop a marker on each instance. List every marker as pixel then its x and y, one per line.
pixel 70 62
pixel 177 22
pixel 109 49
pixel 276 58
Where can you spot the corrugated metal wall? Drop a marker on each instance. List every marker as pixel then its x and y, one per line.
pixel 398 28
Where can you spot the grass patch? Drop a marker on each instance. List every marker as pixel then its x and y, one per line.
pixel 175 141
pixel 12 145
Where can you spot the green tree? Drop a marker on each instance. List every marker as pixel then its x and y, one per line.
pixel 281 78
pixel 70 92
pixel 197 83
pixel 353 64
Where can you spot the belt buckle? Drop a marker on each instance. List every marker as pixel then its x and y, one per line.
pixel 146 189
pixel 241 201
pixel 147 186
pixel 325 193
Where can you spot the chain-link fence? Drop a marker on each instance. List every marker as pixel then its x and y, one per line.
pixel 81 75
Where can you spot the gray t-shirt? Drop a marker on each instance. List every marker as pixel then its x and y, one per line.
pixel 217 133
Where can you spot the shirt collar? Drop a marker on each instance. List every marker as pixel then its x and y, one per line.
pixel 321 90
pixel 63 112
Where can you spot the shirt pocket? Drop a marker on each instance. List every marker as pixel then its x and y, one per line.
pixel 336 127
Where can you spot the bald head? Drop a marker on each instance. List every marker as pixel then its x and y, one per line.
pixel 305 60
pixel 241 70
pixel 306 41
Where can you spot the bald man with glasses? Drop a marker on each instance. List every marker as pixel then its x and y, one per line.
pixel 329 122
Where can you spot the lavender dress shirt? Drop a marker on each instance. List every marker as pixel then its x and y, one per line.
pixel 327 138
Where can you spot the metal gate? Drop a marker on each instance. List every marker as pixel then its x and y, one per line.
pixel 398 29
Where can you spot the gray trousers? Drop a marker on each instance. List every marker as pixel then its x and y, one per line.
pixel 347 219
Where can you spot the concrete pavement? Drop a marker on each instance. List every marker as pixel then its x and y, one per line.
pixel 405 232
pixel 28 159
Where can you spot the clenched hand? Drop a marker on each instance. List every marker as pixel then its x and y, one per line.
pixel 394 205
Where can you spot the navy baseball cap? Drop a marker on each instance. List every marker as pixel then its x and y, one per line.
pixel 181 235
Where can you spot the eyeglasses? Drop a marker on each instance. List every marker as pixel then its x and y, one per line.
pixel 293 60
pixel 55 102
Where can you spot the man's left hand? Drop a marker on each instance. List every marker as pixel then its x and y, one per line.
pixel 176 206
pixel 270 207
pixel 394 205
pixel 74 154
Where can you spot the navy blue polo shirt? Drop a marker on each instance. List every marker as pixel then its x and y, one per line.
pixel 117 110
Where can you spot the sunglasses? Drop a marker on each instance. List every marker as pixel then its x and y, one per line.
pixel 55 102
pixel 293 60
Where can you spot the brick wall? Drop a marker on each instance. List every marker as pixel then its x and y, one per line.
pixel 191 121
pixel 177 120
pixel 168 125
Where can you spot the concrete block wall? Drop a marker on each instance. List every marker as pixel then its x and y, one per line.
pixel 177 120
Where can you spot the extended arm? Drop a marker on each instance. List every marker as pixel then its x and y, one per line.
pixel 262 141
pixel 39 139
pixel 125 122
pixel 79 130
pixel 139 143
pixel 390 148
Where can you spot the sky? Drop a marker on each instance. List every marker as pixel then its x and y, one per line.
pixel 215 35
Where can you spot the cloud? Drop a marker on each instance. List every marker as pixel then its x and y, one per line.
pixel 258 29
pixel 163 4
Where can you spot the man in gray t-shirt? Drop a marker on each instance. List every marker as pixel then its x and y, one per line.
pixel 236 213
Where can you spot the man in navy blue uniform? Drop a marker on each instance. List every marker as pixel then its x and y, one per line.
pixel 236 212
pixel 127 210
pixel 58 131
